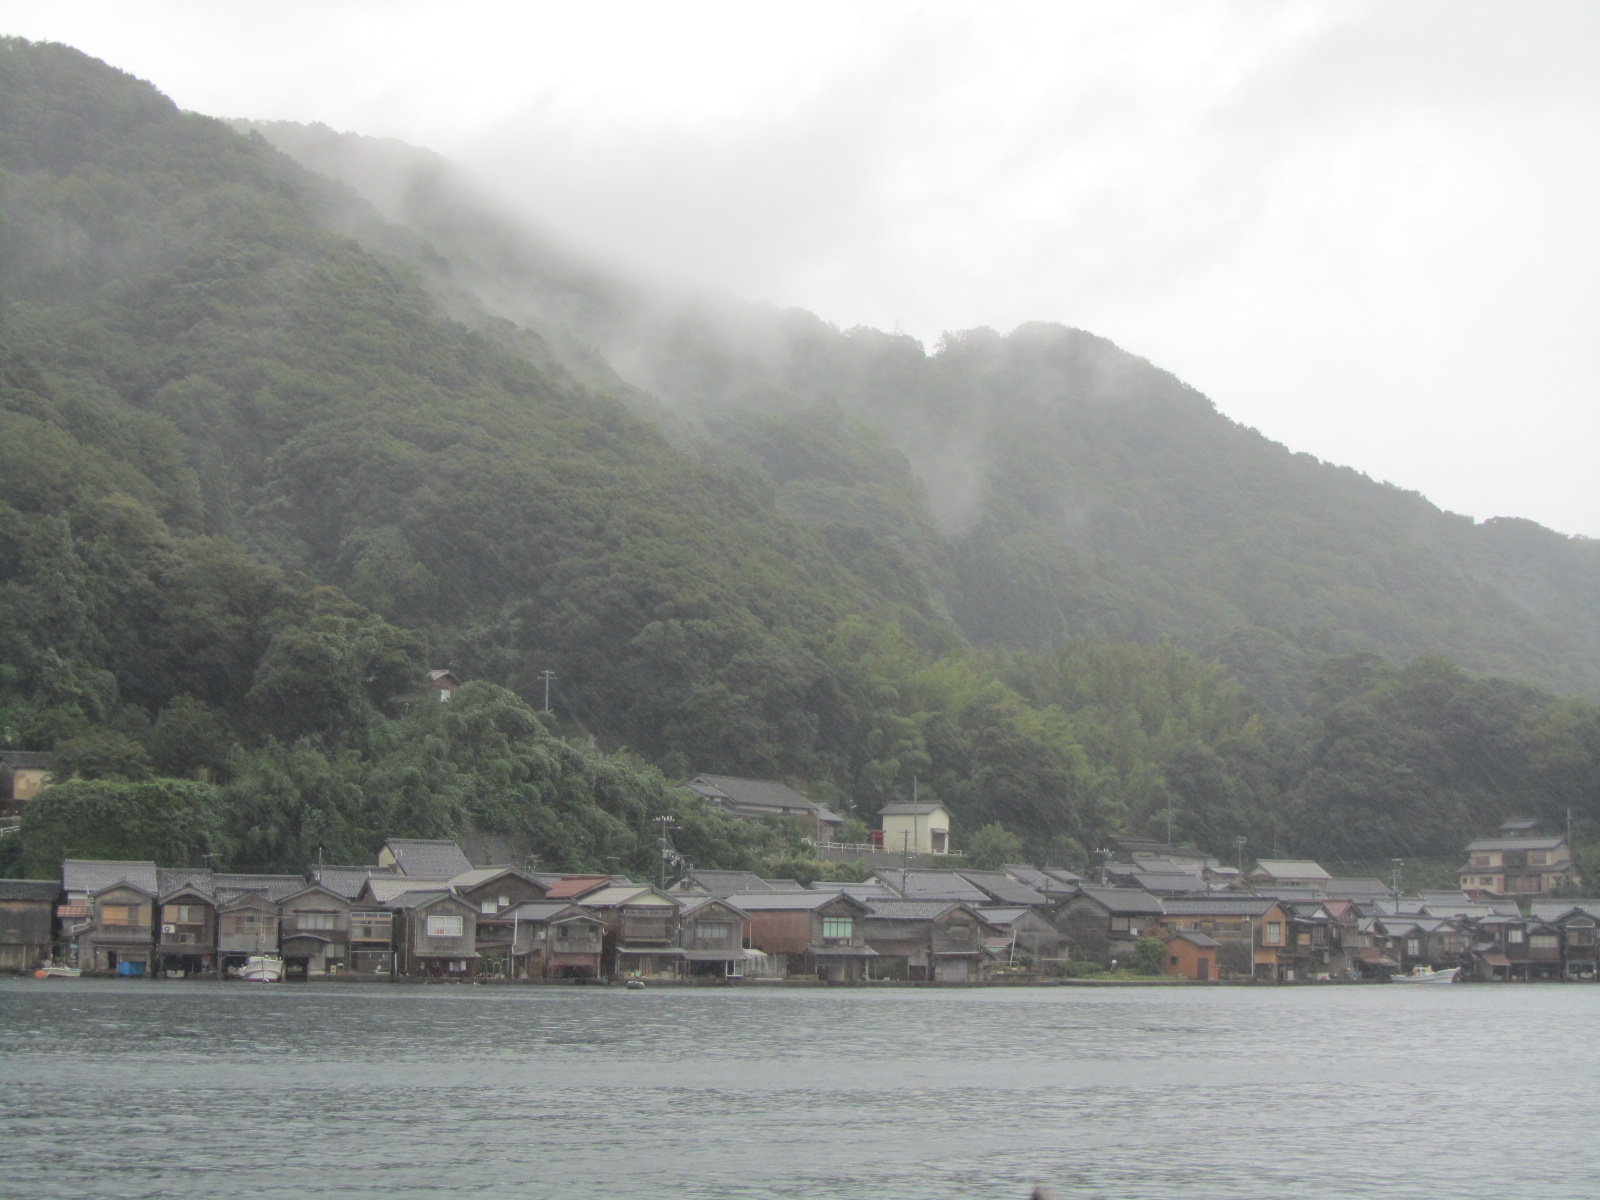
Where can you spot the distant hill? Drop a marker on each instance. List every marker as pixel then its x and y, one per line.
pixel 1076 489
pixel 281 430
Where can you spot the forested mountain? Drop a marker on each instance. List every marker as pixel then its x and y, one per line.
pixel 275 439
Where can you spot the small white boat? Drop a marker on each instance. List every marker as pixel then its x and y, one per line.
pixel 51 971
pixel 1426 975
pixel 262 968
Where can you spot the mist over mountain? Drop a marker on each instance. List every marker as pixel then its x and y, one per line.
pixel 1079 489
pixel 289 416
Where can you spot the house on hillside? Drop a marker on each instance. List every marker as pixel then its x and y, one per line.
pixel 423 858
pixel 914 827
pixel 1288 873
pixel 23 774
pixel 1519 862
pixel 768 798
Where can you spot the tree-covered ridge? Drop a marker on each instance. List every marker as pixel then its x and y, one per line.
pixel 259 474
pixel 1083 490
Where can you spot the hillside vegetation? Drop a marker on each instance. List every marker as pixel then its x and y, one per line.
pixel 272 447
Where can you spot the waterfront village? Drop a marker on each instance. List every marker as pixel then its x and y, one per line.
pixel 425 909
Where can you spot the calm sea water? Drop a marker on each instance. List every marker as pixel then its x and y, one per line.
pixel 143 1089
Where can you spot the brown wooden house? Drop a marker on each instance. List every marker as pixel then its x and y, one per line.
pixel 186 936
pixel 26 922
pixel 120 940
pixel 315 934
pixel 711 935
pixel 817 934
pixel 557 940
pixel 435 935
pixel 1191 955
pixel 247 925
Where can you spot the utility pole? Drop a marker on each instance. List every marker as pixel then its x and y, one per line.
pixel 666 848
pixel 1238 853
pixel 1395 867
pixel 547 675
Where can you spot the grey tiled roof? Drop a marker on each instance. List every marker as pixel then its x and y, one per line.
pixel 89 875
pixel 1521 843
pixel 170 879
pixel 908 910
pixel 273 887
pixel 345 880
pixel 726 883
pixel 999 887
pixel 29 889
pixel 804 901
pixel 1122 900
pixel 760 795
pixel 931 885
pixel 1218 906
pixel 428 858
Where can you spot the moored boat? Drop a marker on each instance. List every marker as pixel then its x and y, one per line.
pixel 1426 975
pixel 262 968
pixel 53 971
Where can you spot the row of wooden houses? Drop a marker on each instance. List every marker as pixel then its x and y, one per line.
pixel 424 910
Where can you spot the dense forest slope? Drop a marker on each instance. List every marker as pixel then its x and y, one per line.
pixel 1081 489
pixel 277 435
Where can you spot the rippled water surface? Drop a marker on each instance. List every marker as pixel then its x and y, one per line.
pixel 143 1089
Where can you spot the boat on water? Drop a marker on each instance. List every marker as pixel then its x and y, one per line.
pixel 262 968
pixel 1426 975
pixel 52 971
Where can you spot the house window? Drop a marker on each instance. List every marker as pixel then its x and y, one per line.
pixel 1514 937
pixel 117 914
pixel 1536 858
pixel 489 908
pixel 1413 946
pixel 1274 933
pixel 370 926
pixel 1480 860
pixel 317 920
pixel 713 931
pixel 842 928
pixel 1580 935
pixel 1543 941
pixel 447 926
pixel 182 914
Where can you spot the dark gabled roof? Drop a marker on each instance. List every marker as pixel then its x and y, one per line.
pixel 909 910
pixel 570 887
pixel 803 901
pixel 1555 910
pixel 1001 888
pixel 544 910
pixel 422 897
pixel 931 885
pixel 1513 843
pixel 45 890
pixel 1289 868
pixel 692 906
pixel 1355 889
pixel 1051 884
pixel 1196 938
pixel 273 887
pixel 90 875
pixel 1120 900
pixel 725 883
pixel 172 879
pixel 346 880
pixel 759 796
pixel 428 858
pixel 869 891
pixel 1218 906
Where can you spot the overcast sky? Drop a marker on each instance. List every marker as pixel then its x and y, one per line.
pixel 1369 230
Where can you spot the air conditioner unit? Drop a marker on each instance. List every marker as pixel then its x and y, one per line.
pixel 169 929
